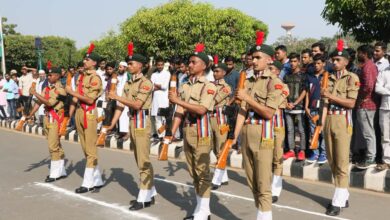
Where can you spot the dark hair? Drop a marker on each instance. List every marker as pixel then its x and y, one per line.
pixel 352 53
pixel 229 59
pixel 319 45
pixel 382 45
pixel 367 49
pixel 306 50
pixel 281 47
pixel 294 55
pixel 159 59
pixel 319 57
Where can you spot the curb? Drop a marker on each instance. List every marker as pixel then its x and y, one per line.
pixel 368 179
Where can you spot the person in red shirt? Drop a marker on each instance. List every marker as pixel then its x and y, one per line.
pixel 367 105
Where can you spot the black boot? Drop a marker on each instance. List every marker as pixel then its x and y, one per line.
pixel 274 199
pixel 134 201
pixel 83 189
pixel 333 210
pixel 139 205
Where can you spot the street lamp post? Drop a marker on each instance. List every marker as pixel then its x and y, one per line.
pixel 38 50
pixel 2 47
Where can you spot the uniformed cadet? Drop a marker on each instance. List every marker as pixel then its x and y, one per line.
pixel 194 106
pixel 340 97
pixel 54 115
pixel 218 119
pixel 279 133
pixel 137 95
pixel 260 99
pixel 88 90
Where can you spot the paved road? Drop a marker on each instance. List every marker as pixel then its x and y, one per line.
pixel 23 194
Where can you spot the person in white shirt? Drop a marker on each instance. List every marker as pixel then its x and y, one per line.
pixel 25 82
pixel 379 56
pixel 210 73
pixel 382 87
pixel 160 80
pixel 38 88
pixel 124 120
pixel 101 101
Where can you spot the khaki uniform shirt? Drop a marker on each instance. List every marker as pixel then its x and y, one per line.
pixel 347 86
pixel 54 92
pixel 92 85
pixel 139 88
pixel 223 91
pixel 265 89
pixel 199 91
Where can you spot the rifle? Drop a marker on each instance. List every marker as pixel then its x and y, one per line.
pixel 109 113
pixel 231 113
pixel 168 114
pixel 67 102
pixel 317 131
pixel 19 126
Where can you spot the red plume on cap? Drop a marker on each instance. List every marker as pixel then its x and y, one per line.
pixel 340 45
pixel 130 48
pixel 91 47
pixel 215 59
pixel 199 48
pixel 48 65
pixel 259 38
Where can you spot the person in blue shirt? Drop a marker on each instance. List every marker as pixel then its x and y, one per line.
pixel 312 104
pixel 11 89
pixel 281 56
pixel 232 75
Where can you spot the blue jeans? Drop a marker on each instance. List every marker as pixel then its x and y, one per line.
pixel 290 124
pixel 321 141
pixel 12 108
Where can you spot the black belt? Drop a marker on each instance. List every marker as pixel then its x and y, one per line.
pixel 131 111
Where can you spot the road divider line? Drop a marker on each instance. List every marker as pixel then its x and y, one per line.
pixel 95 201
pixel 252 200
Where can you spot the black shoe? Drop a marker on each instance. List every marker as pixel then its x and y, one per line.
pixel 151 201
pixel 333 210
pixel 274 199
pixel 83 189
pixel 192 217
pixel 346 205
pixel 214 187
pixel 49 179
pixel 225 183
pixel 139 205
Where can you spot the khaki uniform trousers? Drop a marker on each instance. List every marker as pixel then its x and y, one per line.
pixel 218 140
pixel 198 160
pixel 337 140
pixel 140 143
pixel 88 136
pixel 51 130
pixel 277 162
pixel 257 159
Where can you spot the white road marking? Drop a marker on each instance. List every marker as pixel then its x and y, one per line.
pixel 252 200
pixel 95 201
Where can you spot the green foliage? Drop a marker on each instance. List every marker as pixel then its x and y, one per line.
pixel 367 20
pixel 174 28
pixel 295 44
pixel 20 50
pixel 8 29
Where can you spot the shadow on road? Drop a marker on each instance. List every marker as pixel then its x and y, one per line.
pixel 43 162
pixel 123 179
pixel 294 189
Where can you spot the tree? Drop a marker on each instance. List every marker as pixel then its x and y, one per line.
pixel 367 20
pixel 8 28
pixel 174 28
pixel 20 50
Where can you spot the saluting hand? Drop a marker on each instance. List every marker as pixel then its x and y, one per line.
pixel 32 90
pixel 68 89
pixel 112 95
pixel 172 96
pixel 325 93
pixel 241 94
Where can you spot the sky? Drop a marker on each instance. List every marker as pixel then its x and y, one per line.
pixel 88 20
